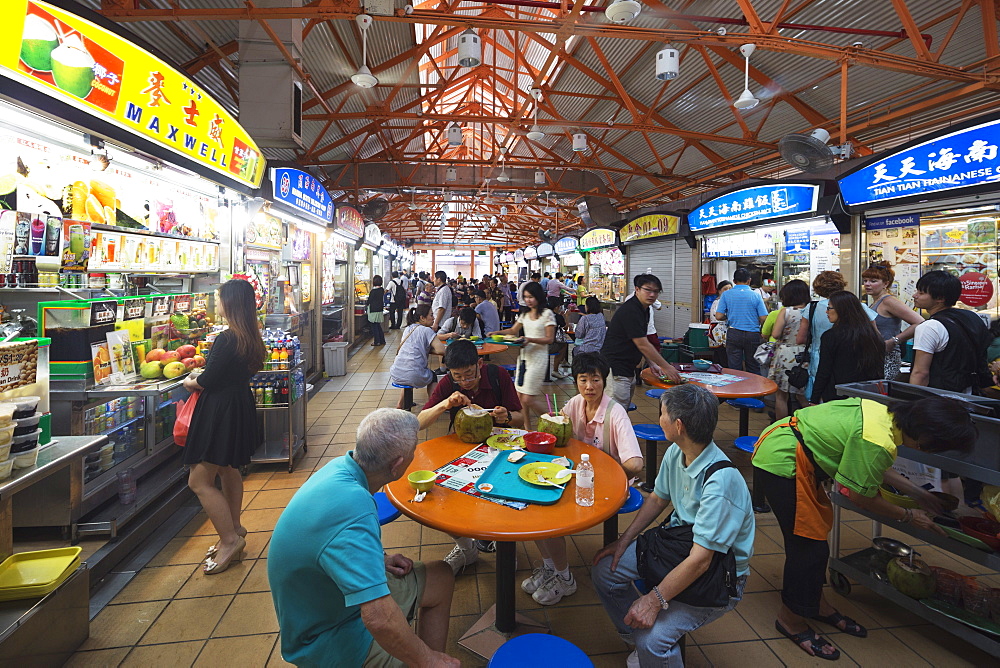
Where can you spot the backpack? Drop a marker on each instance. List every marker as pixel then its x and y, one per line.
pixel 967 352
pixel 399 293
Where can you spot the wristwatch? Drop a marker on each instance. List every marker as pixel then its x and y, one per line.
pixel 663 601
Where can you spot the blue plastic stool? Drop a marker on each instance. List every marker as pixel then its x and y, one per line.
pixel 746 444
pixel 535 650
pixel 509 368
pixel 632 503
pixel 652 434
pixel 655 393
pixel 745 405
pixel 386 511
pixel 407 396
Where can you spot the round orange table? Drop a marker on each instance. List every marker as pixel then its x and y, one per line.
pixel 459 514
pixel 490 348
pixel 752 385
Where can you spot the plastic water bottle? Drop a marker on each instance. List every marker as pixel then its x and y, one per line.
pixel 585 482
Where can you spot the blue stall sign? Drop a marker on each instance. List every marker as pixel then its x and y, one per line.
pixel 750 205
pixel 885 222
pixel 303 192
pixel 958 159
pixel 796 241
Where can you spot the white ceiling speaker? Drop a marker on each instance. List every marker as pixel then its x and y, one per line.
pixel 451 174
pixel 579 141
pixel 809 152
pixel 668 64
pixel 470 51
pixel 455 135
pixel 539 178
pixel 364 78
pixel 746 99
pixel 517 198
pixel 503 210
pixel 622 11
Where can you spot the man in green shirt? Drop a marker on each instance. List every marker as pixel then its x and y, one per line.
pixel 853 442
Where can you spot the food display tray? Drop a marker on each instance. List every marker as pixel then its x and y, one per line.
pixel 507 484
pixel 33 574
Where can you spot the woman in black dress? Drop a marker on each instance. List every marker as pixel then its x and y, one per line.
pixel 223 432
pixel 376 311
pixel 851 351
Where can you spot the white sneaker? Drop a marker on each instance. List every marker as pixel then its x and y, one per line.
pixel 633 660
pixel 538 576
pixel 458 558
pixel 554 589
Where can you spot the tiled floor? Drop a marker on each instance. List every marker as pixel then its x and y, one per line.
pixel 172 615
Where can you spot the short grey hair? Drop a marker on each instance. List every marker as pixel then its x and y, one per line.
pixel 695 407
pixel 384 435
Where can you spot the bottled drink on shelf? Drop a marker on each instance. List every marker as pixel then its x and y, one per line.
pixel 585 482
pixel 284 391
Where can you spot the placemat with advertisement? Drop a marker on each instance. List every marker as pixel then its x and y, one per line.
pixel 462 473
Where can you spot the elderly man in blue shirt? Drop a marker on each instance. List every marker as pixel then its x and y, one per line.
pixel 721 516
pixel 341 601
pixel 744 312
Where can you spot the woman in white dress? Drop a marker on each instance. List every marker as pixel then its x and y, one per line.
pixel 537 328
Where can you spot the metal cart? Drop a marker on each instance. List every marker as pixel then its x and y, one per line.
pixel 283 425
pixel 982 463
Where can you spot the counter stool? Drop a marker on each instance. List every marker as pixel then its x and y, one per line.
pixel 745 405
pixel 386 511
pixel 652 434
pixel 655 393
pixel 509 368
pixel 536 650
pixel 632 503
pixel 407 396
pixel 746 444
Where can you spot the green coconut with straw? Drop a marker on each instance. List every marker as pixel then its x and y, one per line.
pixel 558 425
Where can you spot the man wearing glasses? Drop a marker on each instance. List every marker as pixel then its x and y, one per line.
pixel 470 382
pixel 625 343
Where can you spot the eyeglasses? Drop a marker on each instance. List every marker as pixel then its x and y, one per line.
pixel 652 291
pixel 465 378
pixel 830 308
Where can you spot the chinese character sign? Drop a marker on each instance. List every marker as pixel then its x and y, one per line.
pixel 300 191
pixel 755 204
pixel 105 75
pixel 599 238
pixel 648 227
pixel 957 159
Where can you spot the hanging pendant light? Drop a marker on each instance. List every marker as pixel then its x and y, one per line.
pixel 579 141
pixel 455 135
pixel 364 78
pixel 470 51
pixel 535 134
pixel 746 99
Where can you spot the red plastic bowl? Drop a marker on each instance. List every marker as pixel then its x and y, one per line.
pixel 983 529
pixel 539 442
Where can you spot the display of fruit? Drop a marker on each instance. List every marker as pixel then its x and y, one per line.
pixel 911 577
pixel 190 363
pixel 473 425
pixel 200 361
pixel 170 356
pixel 174 369
pixel 559 426
pixel 151 370
pixel 155 355
pixel 186 351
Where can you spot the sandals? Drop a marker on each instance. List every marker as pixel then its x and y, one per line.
pixel 816 643
pixel 851 627
pixel 213 567
pixel 242 533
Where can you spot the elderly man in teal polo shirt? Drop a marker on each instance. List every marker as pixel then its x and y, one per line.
pixel 744 312
pixel 718 509
pixel 341 601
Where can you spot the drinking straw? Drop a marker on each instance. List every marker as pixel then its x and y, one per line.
pixel 548 403
pixel 555 400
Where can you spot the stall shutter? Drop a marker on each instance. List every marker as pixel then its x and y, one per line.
pixel 672 262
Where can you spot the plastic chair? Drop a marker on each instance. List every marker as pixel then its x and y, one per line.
pixel 407 395
pixel 509 368
pixel 632 503
pixel 746 444
pixel 745 405
pixel 652 434
pixel 536 650
pixel 386 511
pixel 655 393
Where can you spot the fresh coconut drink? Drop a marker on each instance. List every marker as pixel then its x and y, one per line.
pixel 38 41
pixel 559 426
pixel 473 424
pixel 911 577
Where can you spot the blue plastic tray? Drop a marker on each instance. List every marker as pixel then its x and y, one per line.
pixel 507 484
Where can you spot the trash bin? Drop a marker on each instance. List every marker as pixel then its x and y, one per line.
pixel 335 358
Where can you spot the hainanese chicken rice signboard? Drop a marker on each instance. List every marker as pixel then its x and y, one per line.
pixel 758 203
pixel 105 75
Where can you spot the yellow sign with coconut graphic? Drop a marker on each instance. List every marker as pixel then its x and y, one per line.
pixel 93 69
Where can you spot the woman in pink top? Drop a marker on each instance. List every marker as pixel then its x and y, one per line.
pixel 602 423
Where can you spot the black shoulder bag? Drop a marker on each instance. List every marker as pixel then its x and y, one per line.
pixel 798 375
pixel 662 549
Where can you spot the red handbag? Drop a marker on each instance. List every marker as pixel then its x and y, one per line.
pixel 185 411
